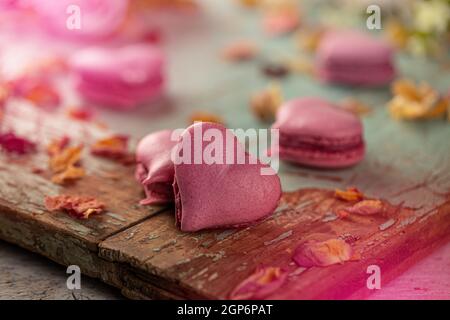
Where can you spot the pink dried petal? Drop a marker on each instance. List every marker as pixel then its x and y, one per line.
pixel 79 207
pixel 322 253
pixel 366 207
pixel 12 143
pixel 259 285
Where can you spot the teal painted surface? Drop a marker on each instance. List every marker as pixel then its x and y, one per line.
pixel 405 161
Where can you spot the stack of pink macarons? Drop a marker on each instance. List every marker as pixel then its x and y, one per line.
pixel 354 58
pixel 120 78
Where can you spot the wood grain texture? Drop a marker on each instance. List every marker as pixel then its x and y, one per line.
pixel 24 219
pixel 210 264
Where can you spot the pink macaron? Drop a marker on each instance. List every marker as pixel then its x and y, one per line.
pixel 120 78
pixel 316 133
pixel 155 169
pixel 354 58
pixel 222 193
pixel 81 19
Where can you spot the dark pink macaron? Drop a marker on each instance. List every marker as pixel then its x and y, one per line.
pixel 354 58
pixel 316 133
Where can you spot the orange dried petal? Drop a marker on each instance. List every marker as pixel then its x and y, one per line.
pixel 239 51
pixel 322 253
pixel 265 104
pixel 70 174
pixel 79 207
pixel 366 207
pixel 57 145
pixel 260 284
pixel 113 147
pixel 67 157
pixel 202 116
pixel 351 194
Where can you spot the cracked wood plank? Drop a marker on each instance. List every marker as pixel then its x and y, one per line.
pixel 210 264
pixel 58 236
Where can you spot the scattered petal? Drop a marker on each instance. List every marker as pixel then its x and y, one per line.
pixel 260 284
pixel 69 156
pixel 366 207
pixel 355 106
pixel 265 104
pixel 11 143
pixel 114 147
pixel 80 114
pixel 322 253
pixel 281 22
pixel 58 145
pixel 351 194
pixel 71 174
pixel 416 102
pixel 202 116
pixel 79 207
pixel 243 50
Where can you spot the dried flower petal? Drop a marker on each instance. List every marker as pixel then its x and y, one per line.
pixel 281 22
pixel 79 207
pixel 11 143
pixel 322 253
pixel 114 147
pixel 36 89
pixel 202 116
pixel 81 114
pixel 309 39
pixel 413 102
pixel 260 284
pixel 69 156
pixel 265 104
pixel 70 174
pixel 58 145
pixel 351 194
pixel 239 51
pixel 366 207
pixel 355 106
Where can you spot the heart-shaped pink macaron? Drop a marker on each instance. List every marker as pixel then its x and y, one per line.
pixel 119 77
pixel 212 189
pixel 155 168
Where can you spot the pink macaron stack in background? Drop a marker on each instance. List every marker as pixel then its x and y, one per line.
pixel 354 58
pixel 316 133
pixel 120 78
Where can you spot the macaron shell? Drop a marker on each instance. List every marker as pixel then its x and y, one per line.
pixel 316 117
pixel 318 159
pixel 222 195
pixel 155 169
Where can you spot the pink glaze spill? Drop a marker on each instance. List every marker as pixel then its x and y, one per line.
pixel 121 78
pixel 221 195
pixel 316 133
pixel 354 58
pixel 155 168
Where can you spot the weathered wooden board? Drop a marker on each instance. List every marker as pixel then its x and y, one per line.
pixel 24 219
pixel 210 264
pixel 145 256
